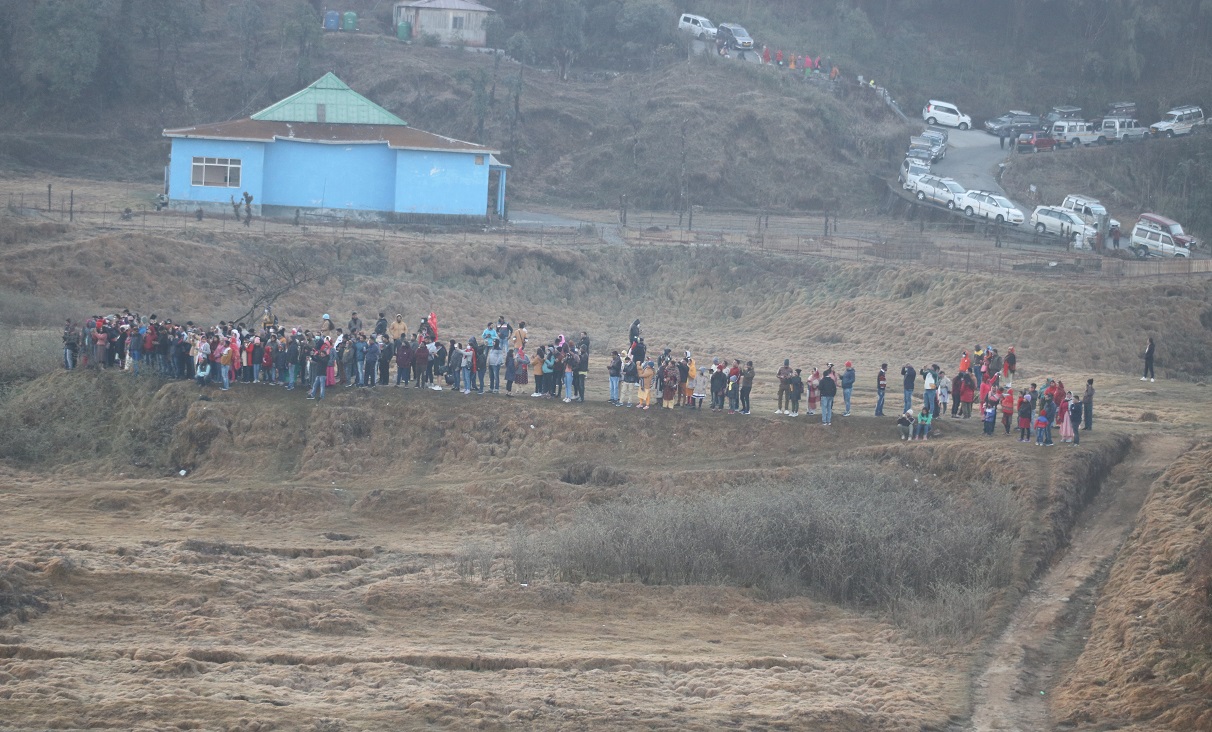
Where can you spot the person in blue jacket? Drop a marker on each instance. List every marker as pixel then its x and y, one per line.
pixel 847 386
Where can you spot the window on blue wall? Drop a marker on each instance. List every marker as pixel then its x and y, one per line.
pixel 218 172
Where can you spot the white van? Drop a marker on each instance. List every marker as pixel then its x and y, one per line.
pixel 1122 129
pixel 1146 239
pixel 697 26
pixel 1074 132
pixel 1089 209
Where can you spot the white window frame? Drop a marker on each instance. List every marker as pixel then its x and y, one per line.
pixel 215 172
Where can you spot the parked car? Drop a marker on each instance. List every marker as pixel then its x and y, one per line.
pixel 1057 221
pixel 1074 132
pixel 1171 227
pixel 1034 142
pixel 1059 113
pixel 1088 209
pixel 988 205
pixel 1012 123
pixel 921 155
pixel 1123 129
pixel 1148 240
pixel 1179 121
pixel 697 26
pixel 945 113
pixel 733 36
pixel 937 149
pixel 934 133
pixel 1120 109
pixel 934 189
pixel 911 170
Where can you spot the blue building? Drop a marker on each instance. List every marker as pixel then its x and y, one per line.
pixel 329 149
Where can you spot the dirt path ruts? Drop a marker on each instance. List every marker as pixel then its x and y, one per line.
pixel 1012 692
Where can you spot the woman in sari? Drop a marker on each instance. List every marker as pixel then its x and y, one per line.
pixel 814 390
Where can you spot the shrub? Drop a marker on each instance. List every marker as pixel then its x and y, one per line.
pixel 849 535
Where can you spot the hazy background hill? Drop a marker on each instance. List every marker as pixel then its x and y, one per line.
pixel 640 114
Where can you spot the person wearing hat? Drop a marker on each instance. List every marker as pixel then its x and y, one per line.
pixel 848 377
pixel 326 324
pixel 784 374
pixel 397 329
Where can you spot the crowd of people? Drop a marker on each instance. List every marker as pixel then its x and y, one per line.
pixel 500 360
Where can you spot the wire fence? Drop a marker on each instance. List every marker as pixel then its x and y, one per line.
pixel 956 245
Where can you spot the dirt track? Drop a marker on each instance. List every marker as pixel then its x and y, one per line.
pixel 1023 664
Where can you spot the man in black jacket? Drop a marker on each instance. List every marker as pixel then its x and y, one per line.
pixel 319 372
pixel 910 375
pixel 828 389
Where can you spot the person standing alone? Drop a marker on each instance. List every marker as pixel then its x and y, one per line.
pixel 1149 350
pixel 881 385
pixel 1088 405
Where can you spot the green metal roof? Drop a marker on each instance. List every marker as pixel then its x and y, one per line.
pixel 328 100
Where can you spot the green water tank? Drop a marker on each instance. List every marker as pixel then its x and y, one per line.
pixel 404 30
pixel 349 21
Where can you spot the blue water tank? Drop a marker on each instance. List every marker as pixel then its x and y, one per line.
pixel 332 21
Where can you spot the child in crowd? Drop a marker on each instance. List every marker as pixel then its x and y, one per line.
pixel 699 387
pixel 990 417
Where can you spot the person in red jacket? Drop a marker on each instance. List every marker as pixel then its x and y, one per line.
pixel 1008 409
pixel 778 57
pixel 967 396
pixel 766 55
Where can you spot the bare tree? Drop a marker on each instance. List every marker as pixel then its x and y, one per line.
pixel 264 273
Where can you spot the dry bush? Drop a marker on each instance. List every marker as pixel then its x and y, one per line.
pixel 17 601
pixel 28 354
pixel 850 535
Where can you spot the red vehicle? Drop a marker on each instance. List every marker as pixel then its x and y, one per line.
pixel 1035 142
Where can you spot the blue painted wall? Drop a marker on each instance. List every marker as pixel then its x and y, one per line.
pixel 356 177
pixel 370 177
pixel 441 183
pixel 180 171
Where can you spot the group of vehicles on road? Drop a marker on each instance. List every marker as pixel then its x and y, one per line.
pixel 1077 218
pixel 1065 126
pixel 728 35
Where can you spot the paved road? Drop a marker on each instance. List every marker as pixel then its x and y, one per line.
pixel 972 160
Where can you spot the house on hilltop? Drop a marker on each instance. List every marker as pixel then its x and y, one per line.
pixel 452 21
pixel 327 148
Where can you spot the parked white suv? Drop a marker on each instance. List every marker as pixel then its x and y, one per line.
pixel 990 206
pixel 945 113
pixel 1074 132
pixel 1179 121
pixel 1059 222
pixel 911 170
pixel 1123 129
pixel 938 190
pixel 1088 209
pixel 1146 239
pixel 697 26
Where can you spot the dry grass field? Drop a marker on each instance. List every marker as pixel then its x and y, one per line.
pixel 389 560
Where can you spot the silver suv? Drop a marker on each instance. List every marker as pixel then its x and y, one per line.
pixel 934 189
pixel 1179 121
